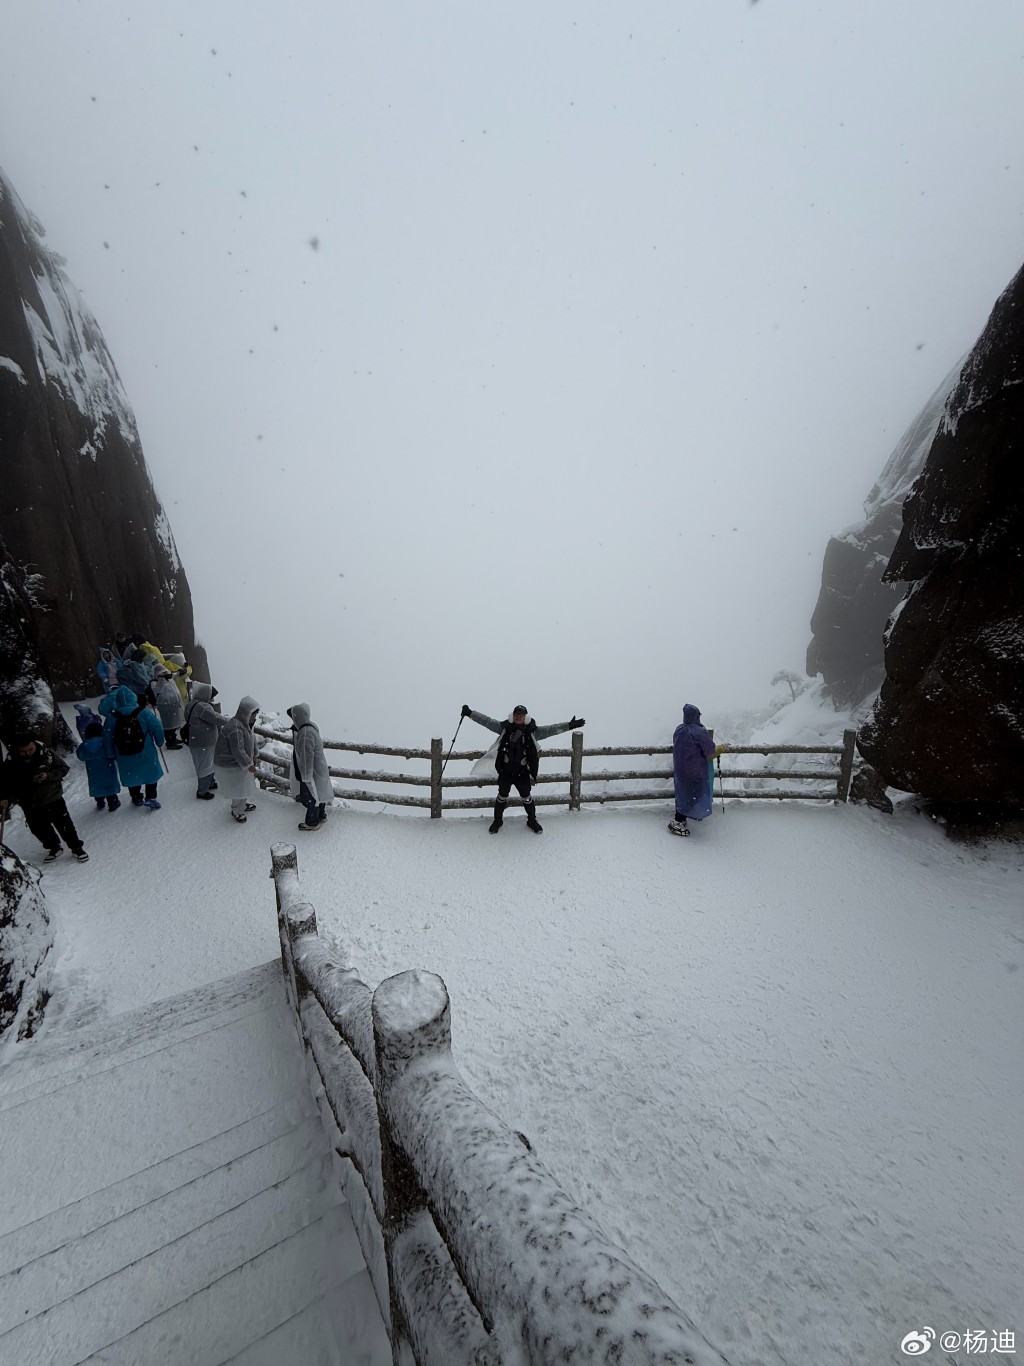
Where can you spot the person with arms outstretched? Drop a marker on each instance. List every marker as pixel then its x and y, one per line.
pixel 516 759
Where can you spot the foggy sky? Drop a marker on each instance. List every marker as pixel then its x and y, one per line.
pixel 495 355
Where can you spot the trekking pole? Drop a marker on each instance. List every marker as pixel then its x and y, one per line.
pixel 452 745
pixel 721 780
pixel 160 751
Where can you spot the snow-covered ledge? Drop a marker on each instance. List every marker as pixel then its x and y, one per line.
pixel 487 1259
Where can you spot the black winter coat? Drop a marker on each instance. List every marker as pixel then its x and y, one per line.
pixel 35 781
pixel 517 749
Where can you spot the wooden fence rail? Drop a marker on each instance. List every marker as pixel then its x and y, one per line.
pixel 477 1255
pixel 274 767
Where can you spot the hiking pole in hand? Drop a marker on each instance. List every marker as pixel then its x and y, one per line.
pixel 721 780
pixel 452 745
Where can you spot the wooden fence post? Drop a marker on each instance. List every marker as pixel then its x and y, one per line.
pixel 411 1018
pixel 576 770
pixel 436 764
pixel 846 765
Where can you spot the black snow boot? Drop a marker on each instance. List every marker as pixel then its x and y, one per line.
pixel 532 823
pixel 495 825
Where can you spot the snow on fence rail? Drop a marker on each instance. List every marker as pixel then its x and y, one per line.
pixel 811 779
pixel 477 1255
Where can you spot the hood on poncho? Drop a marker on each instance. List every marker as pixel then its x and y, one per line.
pixel 691 716
pixel 246 707
pixel 125 701
pixel 201 692
pixel 299 714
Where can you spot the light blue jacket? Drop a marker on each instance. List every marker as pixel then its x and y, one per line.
pixel 144 767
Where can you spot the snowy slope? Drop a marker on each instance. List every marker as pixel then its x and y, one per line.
pixel 779 1060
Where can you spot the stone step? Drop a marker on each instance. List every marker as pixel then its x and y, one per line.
pixel 37 1286
pixel 196 1267
pixel 275 1301
pixel 31 1241
pixel 36 1067
pixel 96 1131
pixel 306 1337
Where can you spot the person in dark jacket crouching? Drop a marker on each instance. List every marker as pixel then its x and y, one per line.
pixel 31 777
pixel 516 759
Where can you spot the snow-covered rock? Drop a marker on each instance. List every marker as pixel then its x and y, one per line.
pixel 855 599
pixel 26 702
pixel 26 940
pixel 949 721
pixel 78 505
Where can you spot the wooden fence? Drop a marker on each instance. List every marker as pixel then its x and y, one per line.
pixel 477 1255
pixel 274 770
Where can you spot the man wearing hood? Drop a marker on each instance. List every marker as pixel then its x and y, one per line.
pixel 135 733
pixel 692 752
pixel 516 759
pixel 203 725
pixel 234 758
pixel 309 768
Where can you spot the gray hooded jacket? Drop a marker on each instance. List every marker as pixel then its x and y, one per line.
pixel 203 726
pixel 310 764
pixel 236 744
pixel 168 702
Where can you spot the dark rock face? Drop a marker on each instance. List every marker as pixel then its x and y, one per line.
pixel 26 702
pixel 949 720
pixel 77 509
pixel 855 599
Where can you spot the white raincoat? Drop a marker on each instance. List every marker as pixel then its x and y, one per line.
pixel 168 702
pixel 310 764
pixel 235 753
pixel 203 726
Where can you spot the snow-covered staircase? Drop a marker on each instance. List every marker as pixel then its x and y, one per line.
pixel 168 1197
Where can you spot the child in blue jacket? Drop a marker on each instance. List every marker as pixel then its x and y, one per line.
pixel 97 754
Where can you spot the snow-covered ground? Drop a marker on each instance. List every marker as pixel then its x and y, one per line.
pixel 779 1061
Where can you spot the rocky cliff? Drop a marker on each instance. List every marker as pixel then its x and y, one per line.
pixel 26 702
pixel 78 511
pixel 856 599
pixel 949 720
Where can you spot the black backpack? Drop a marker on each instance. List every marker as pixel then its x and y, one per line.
pixel 129 737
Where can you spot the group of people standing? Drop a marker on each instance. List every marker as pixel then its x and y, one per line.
pixel 151 704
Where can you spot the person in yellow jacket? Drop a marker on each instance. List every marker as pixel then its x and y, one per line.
pixel 182 673
pixel 175 665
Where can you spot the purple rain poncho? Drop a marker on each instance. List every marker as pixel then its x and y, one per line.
pixel 692 747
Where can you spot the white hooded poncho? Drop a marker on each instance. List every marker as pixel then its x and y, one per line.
pixel 310 760
pixel 203 725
